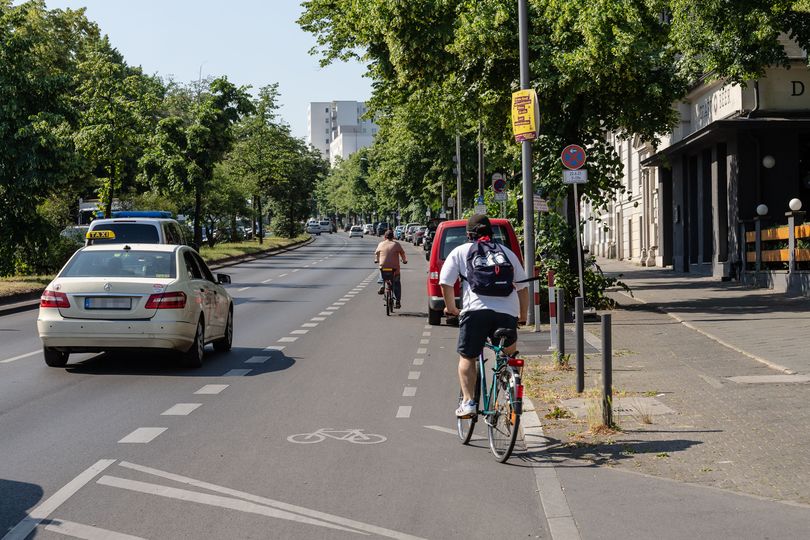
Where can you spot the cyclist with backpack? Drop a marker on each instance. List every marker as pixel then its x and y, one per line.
pixel 492 298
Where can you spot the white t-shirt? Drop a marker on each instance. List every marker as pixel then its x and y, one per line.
pixel 456 264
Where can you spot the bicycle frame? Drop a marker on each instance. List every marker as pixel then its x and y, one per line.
pixel 502 361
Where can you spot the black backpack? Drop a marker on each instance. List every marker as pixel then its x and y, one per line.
pixel 489 271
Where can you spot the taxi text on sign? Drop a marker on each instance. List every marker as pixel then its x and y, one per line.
pixel 525 115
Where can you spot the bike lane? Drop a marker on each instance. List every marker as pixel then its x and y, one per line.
pixel 230 470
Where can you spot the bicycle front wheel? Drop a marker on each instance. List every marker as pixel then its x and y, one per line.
pixel 504 421
pixel 465 426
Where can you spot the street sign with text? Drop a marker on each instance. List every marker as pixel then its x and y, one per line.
pixel 575 177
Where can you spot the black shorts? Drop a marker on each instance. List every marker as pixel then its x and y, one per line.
pixel 476 326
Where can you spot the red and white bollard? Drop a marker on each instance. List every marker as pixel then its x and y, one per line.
pixel 552 310
pixel 536 300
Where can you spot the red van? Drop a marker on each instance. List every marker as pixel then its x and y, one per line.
pixel 449 235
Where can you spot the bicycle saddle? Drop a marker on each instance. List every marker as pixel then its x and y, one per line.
pixel 508 333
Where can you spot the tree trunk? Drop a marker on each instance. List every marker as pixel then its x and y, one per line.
pixel 261 219
pixel 234 234
pixel 197 212
pixel 111 194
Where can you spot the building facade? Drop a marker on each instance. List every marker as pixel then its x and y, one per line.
pixel 337 128
pixel 736 147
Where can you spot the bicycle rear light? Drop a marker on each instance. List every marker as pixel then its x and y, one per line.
pixel 515 362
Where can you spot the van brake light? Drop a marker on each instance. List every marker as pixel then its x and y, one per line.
pixel 433 275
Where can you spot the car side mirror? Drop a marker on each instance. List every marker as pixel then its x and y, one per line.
pixel 223 278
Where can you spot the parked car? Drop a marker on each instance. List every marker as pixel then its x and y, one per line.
pixel 381 228
pixel 409 228
pixel 368 228
pixel 326 226
pixel 135 296
pixel 135 228
pixel 398 231
pixel 357 230
pixel 449 235
pixel 418 234
pixel 76 234
pixel 313 227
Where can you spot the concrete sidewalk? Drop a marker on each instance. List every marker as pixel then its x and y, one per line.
pixel 762 324
pixel 730 458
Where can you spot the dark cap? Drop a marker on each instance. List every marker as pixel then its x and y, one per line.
pixel 479 224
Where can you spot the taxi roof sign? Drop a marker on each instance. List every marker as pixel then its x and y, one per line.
pixel 100 234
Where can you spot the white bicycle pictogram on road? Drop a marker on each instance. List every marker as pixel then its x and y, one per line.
pixel 355 436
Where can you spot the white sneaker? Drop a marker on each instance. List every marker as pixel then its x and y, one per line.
pixel 467 408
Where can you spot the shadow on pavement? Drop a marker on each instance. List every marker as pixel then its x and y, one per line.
pixel 165 364
pixel 18 499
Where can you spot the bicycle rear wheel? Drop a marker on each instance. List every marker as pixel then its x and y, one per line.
pixel 465 426
pixel 387 300
pixel 503 423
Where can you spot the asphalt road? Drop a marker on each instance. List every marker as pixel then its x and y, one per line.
pixel 131 446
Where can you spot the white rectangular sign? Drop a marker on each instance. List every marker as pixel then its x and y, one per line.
pixel 500 195
pixel 579 176
pixel 540 204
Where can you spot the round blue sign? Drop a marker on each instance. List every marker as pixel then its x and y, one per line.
pixel 573 157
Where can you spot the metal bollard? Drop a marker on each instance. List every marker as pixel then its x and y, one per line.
pixel 552 311
pixel 560 322
pixel 607 372
pixel 537 317
pixel 579 307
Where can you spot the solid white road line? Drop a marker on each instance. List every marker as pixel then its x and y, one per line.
pixel 274 348
pixel 453 432
pixel 414 375
pixel 319 319
pixel 287 339
pixel 20 357
pixel 86 532
pixel 257 359
pixel 309 325
pixel 236 372
pixel 404 411
pixel 418 361
pixel 143 435
pixel 211 500
pixel 242 289
pixel 299 332
pixel 212 389
pixel 421 350
pixel 35 516
pixel 409 391
pixel 181 409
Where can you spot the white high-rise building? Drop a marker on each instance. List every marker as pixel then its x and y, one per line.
pixel 337 129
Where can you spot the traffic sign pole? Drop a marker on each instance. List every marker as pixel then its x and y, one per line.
pixel 526 152
pixel 579 245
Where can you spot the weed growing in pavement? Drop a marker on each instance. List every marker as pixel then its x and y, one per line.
pixel 558 413
pixel 641 413
pixel 562 362
pixel 662 455
pixel 650 393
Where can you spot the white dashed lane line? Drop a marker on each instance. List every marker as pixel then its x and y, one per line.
pixel 299 332
pixel 309 325
pixel 242 289
pixel 424 341
pixel 211 389
pixel 237 372
pixel 418 361
pixel 326 313
pixel 332 308
pixel 414 375
pixel 319 319
pixel 409 391
pixel 20 357
pixel 404 411
pixel 257 359
pixel 267 280
pixel 274 348
pixel 421 350
pixel 181 409
pixel 425 334
pixel 287 339
pixel 143 435
pixel 282 275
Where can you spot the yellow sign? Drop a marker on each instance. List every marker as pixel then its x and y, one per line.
pixel 97 235
pixel 524 115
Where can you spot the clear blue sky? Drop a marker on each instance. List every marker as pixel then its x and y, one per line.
pixel 253 42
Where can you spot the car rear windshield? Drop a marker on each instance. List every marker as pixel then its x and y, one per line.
pixel 128 233
pixel 121 263
pixel 455 236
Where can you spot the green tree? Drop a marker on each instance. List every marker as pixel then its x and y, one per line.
pixel 187 145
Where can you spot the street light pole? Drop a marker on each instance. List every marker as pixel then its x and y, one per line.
pixel 526 155
pixel 458 176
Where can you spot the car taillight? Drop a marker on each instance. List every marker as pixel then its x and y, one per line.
pixel 433 276
pixel 53 299
pixel 168 300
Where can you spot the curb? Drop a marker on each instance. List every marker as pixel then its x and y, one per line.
pixel 561 524
pixel 29 301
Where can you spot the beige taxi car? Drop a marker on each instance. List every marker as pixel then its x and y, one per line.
pixel 111 297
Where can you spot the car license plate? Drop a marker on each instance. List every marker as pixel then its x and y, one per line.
pixel 107 302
